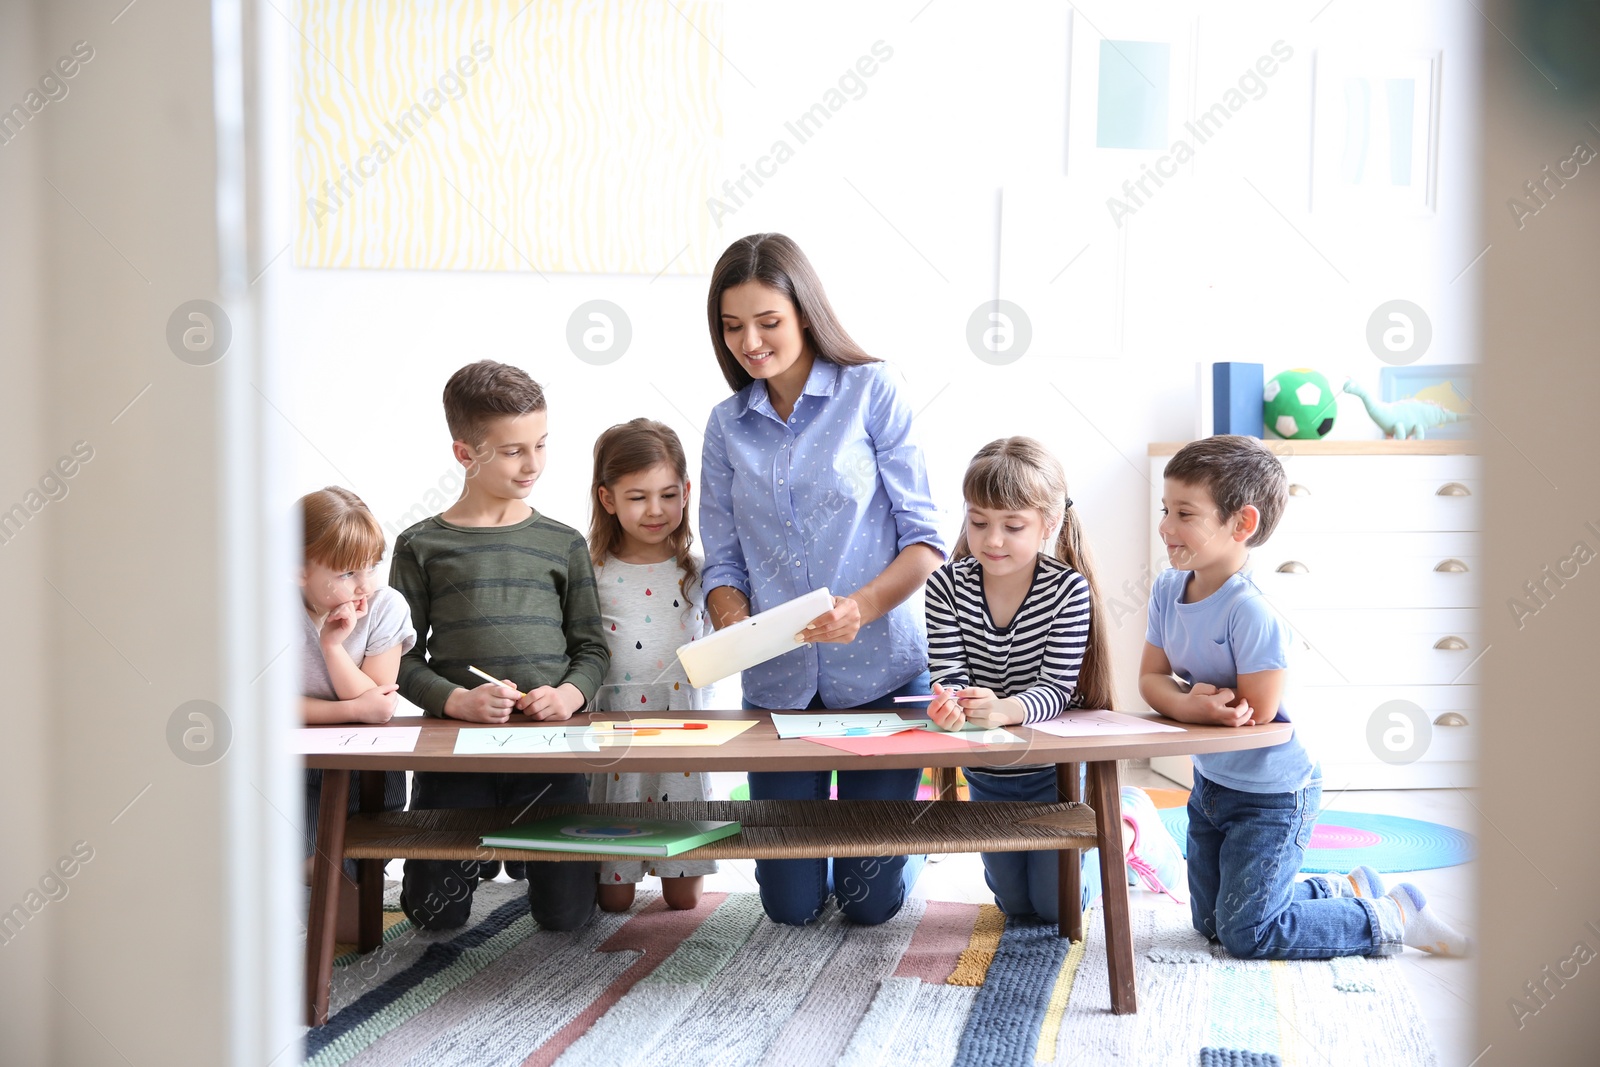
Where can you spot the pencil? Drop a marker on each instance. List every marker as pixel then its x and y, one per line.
pixel 486 676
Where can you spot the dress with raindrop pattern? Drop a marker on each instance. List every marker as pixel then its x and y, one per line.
pixel 647 611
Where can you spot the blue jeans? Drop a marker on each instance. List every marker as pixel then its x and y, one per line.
pixel 870 889
pixel 1027 883
pixel 1244 851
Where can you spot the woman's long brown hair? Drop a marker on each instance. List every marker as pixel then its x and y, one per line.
pixel 1020 474
pixel 777 262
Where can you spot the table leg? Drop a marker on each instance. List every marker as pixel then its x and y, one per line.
pixel 369 873
pixel 1105 789
pixel 326 872
pixel 1069 872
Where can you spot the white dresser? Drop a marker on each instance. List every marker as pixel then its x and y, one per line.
pixel 1375 565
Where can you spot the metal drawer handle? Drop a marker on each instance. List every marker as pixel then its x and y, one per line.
pixel 1451 566
pixel 1451 718
pixel 1293 566
pixel 1451 644
pixel 1453 489
pixel 1296 489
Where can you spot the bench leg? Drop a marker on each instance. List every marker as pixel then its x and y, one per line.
pixel 944 783
pixel 326 872
pixel 1105 788
pixel 369 873
pixel 1069 872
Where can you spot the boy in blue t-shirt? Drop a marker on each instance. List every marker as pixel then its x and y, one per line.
pixel 1216 655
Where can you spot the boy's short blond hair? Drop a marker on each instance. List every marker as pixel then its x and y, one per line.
pixel 482 391
pixel 1236 471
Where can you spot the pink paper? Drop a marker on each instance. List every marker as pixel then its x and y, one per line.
pixel 895 744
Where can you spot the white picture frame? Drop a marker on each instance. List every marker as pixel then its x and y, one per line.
pixel 1109 34
pixel 1374 132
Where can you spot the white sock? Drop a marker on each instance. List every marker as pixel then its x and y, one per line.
pixel 1360 882
pixel 1421 927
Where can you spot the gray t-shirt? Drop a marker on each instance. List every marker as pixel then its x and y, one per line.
pixel 386 624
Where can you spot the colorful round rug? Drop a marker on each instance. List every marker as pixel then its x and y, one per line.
pixel 1346 839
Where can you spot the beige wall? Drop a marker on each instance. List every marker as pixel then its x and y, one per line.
pixel 114 596
pixel 28 838
pixel 1540 865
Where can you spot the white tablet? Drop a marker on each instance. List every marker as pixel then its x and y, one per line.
pixel 757 639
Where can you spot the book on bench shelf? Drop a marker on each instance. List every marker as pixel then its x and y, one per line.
pixel 601 833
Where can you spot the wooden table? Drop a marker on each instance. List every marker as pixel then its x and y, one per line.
pixel 1066 828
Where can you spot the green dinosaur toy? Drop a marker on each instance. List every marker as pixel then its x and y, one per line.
pixel 1403 418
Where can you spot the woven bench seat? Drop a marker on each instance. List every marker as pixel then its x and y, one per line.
pixel 771 829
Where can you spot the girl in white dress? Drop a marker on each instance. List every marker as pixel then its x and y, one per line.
pixel 650 604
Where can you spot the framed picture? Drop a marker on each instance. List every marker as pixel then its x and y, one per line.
pixel 1130 81
pixel 1374 131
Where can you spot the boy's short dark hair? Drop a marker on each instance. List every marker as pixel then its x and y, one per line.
pixel 1236 471
pixel 486 390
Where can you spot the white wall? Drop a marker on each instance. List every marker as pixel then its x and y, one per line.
pixel 895 201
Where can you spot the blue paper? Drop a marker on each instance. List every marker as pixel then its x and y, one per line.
pixel 1132 108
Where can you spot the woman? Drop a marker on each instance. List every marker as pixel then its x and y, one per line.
pixel 810 479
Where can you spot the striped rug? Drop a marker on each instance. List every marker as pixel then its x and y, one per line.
pixel 940 984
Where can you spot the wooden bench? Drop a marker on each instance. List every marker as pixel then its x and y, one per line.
pixel 771 829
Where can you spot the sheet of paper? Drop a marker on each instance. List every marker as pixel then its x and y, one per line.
pixel 765 635
pixel 1101 724
pixel 835 724
pixel 978 735
pixel 322 741
pixel 896 744
pixel 522 740
pixel 717 732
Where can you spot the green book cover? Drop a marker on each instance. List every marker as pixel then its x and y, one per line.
pixel 600 833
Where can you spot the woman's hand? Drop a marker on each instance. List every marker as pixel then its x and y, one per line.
pixel 838 626
pixel 945 711
pixel 726 606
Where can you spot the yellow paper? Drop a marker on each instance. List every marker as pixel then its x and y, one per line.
pixel 719 732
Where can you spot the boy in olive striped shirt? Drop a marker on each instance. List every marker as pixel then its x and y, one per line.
pixel 492 583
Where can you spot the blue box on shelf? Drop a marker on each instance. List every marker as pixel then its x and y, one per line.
pixel 1236 398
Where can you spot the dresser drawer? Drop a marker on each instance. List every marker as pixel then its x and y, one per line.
pixel 1405 646
pixel 1399 570
pixel 1334 720
pixel 1396 493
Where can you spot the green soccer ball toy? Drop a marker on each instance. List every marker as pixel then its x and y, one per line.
pixel 1299 404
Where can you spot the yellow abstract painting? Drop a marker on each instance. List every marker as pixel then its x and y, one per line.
pixel 574 136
